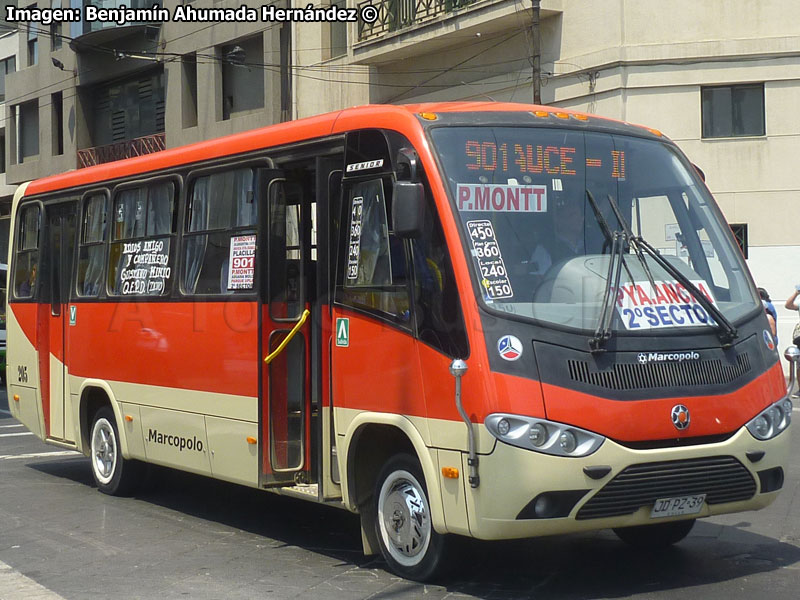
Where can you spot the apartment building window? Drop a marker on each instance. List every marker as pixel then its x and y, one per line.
pixel 33 42
pixel 335 42
pixel 242 76
pixel 128 109
pixel 733 110
pixel 2 152
pixel 5 222
pixel 4 25
pixel 740 233
pixel 189 89
pixel 56 30
pixel 57 122
pixel 7 65
pixel 28 134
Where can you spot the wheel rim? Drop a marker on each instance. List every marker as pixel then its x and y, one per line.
pixel 104 451
pixel 404 518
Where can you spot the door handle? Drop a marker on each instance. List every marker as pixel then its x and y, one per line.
pixel 288 338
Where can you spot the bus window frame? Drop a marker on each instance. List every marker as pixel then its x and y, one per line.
pixel 407 326
pixel 24 204
pixel 258 165
pixel 82 203
pixel 177 180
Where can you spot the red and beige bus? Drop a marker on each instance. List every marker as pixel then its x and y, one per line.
pixel 475 319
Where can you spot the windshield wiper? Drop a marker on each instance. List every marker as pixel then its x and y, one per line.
pixel 602 334
pixel 598 215
pixel 620 239
pixel 632 238
pixel 725 329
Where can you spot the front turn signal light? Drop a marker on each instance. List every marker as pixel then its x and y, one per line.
pixel 450 472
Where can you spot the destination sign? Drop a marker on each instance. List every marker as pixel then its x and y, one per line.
pixel 642 305
pixel 538 159
pixel 501 198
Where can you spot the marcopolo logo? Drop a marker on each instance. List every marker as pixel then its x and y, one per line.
pixel 648 357
pixel 176 441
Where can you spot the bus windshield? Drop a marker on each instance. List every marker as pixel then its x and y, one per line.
pixel 549 214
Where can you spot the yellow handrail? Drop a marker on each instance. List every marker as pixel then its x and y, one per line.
pixel 288 338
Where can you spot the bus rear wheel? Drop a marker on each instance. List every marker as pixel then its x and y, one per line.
pixel 655 536
pixel 403 524
pixel 113 474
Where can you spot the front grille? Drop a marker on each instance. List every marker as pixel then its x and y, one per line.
pixel 721 478
pixel 635 376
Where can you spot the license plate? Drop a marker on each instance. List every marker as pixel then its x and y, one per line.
pixel 681 505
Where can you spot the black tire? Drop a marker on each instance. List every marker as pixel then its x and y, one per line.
pixel 655 536
pixel 113 474
pixel 403 524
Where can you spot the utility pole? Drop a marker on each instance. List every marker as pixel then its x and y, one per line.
pixel 537 55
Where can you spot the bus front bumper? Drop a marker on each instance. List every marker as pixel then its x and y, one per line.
pixel 739 474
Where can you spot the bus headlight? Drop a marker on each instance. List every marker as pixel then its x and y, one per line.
pixel 568 441
pixel 772 420
pixel 537 434
pixel 543 436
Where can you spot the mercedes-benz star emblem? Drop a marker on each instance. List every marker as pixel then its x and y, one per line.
pixel 680 417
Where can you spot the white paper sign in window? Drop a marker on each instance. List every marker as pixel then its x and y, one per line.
pixel 242 262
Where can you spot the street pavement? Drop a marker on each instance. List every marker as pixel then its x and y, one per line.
pixel 187 536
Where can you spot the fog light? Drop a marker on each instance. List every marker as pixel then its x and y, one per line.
pixel 542 506
pixel 503 426
pixel 537 434
pixel 568 441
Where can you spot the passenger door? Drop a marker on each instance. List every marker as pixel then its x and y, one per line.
pixel 57 284
pixel 285 336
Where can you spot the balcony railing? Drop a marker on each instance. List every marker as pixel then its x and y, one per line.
pixel 148 144
pixel 395 15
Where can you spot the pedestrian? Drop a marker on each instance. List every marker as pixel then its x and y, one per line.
pixel 772 314
pixel 791 305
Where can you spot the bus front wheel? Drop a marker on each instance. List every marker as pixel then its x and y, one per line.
pixel 112 473
pixel 659 535
pixel 403 523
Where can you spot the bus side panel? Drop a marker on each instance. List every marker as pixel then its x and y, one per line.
pixel 233 453
pixel 176 439
pixel 378 370
pixel 205 346
pixel 23 368
pixel 43 356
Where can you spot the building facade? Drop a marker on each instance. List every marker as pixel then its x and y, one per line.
pixel 8 62
pixel 718 77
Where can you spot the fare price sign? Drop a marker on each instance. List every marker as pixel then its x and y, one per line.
pixel 492 269
pixel 354 243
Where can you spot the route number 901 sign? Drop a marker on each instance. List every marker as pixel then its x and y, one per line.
pixel 492 269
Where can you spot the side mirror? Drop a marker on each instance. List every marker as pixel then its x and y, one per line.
pixel 408 209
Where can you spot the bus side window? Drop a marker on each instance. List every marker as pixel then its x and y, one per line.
pixel 141 247
pixel 440 321
pixel 375 269
pixel 222 217
pixel 92 246
pixel 27 260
